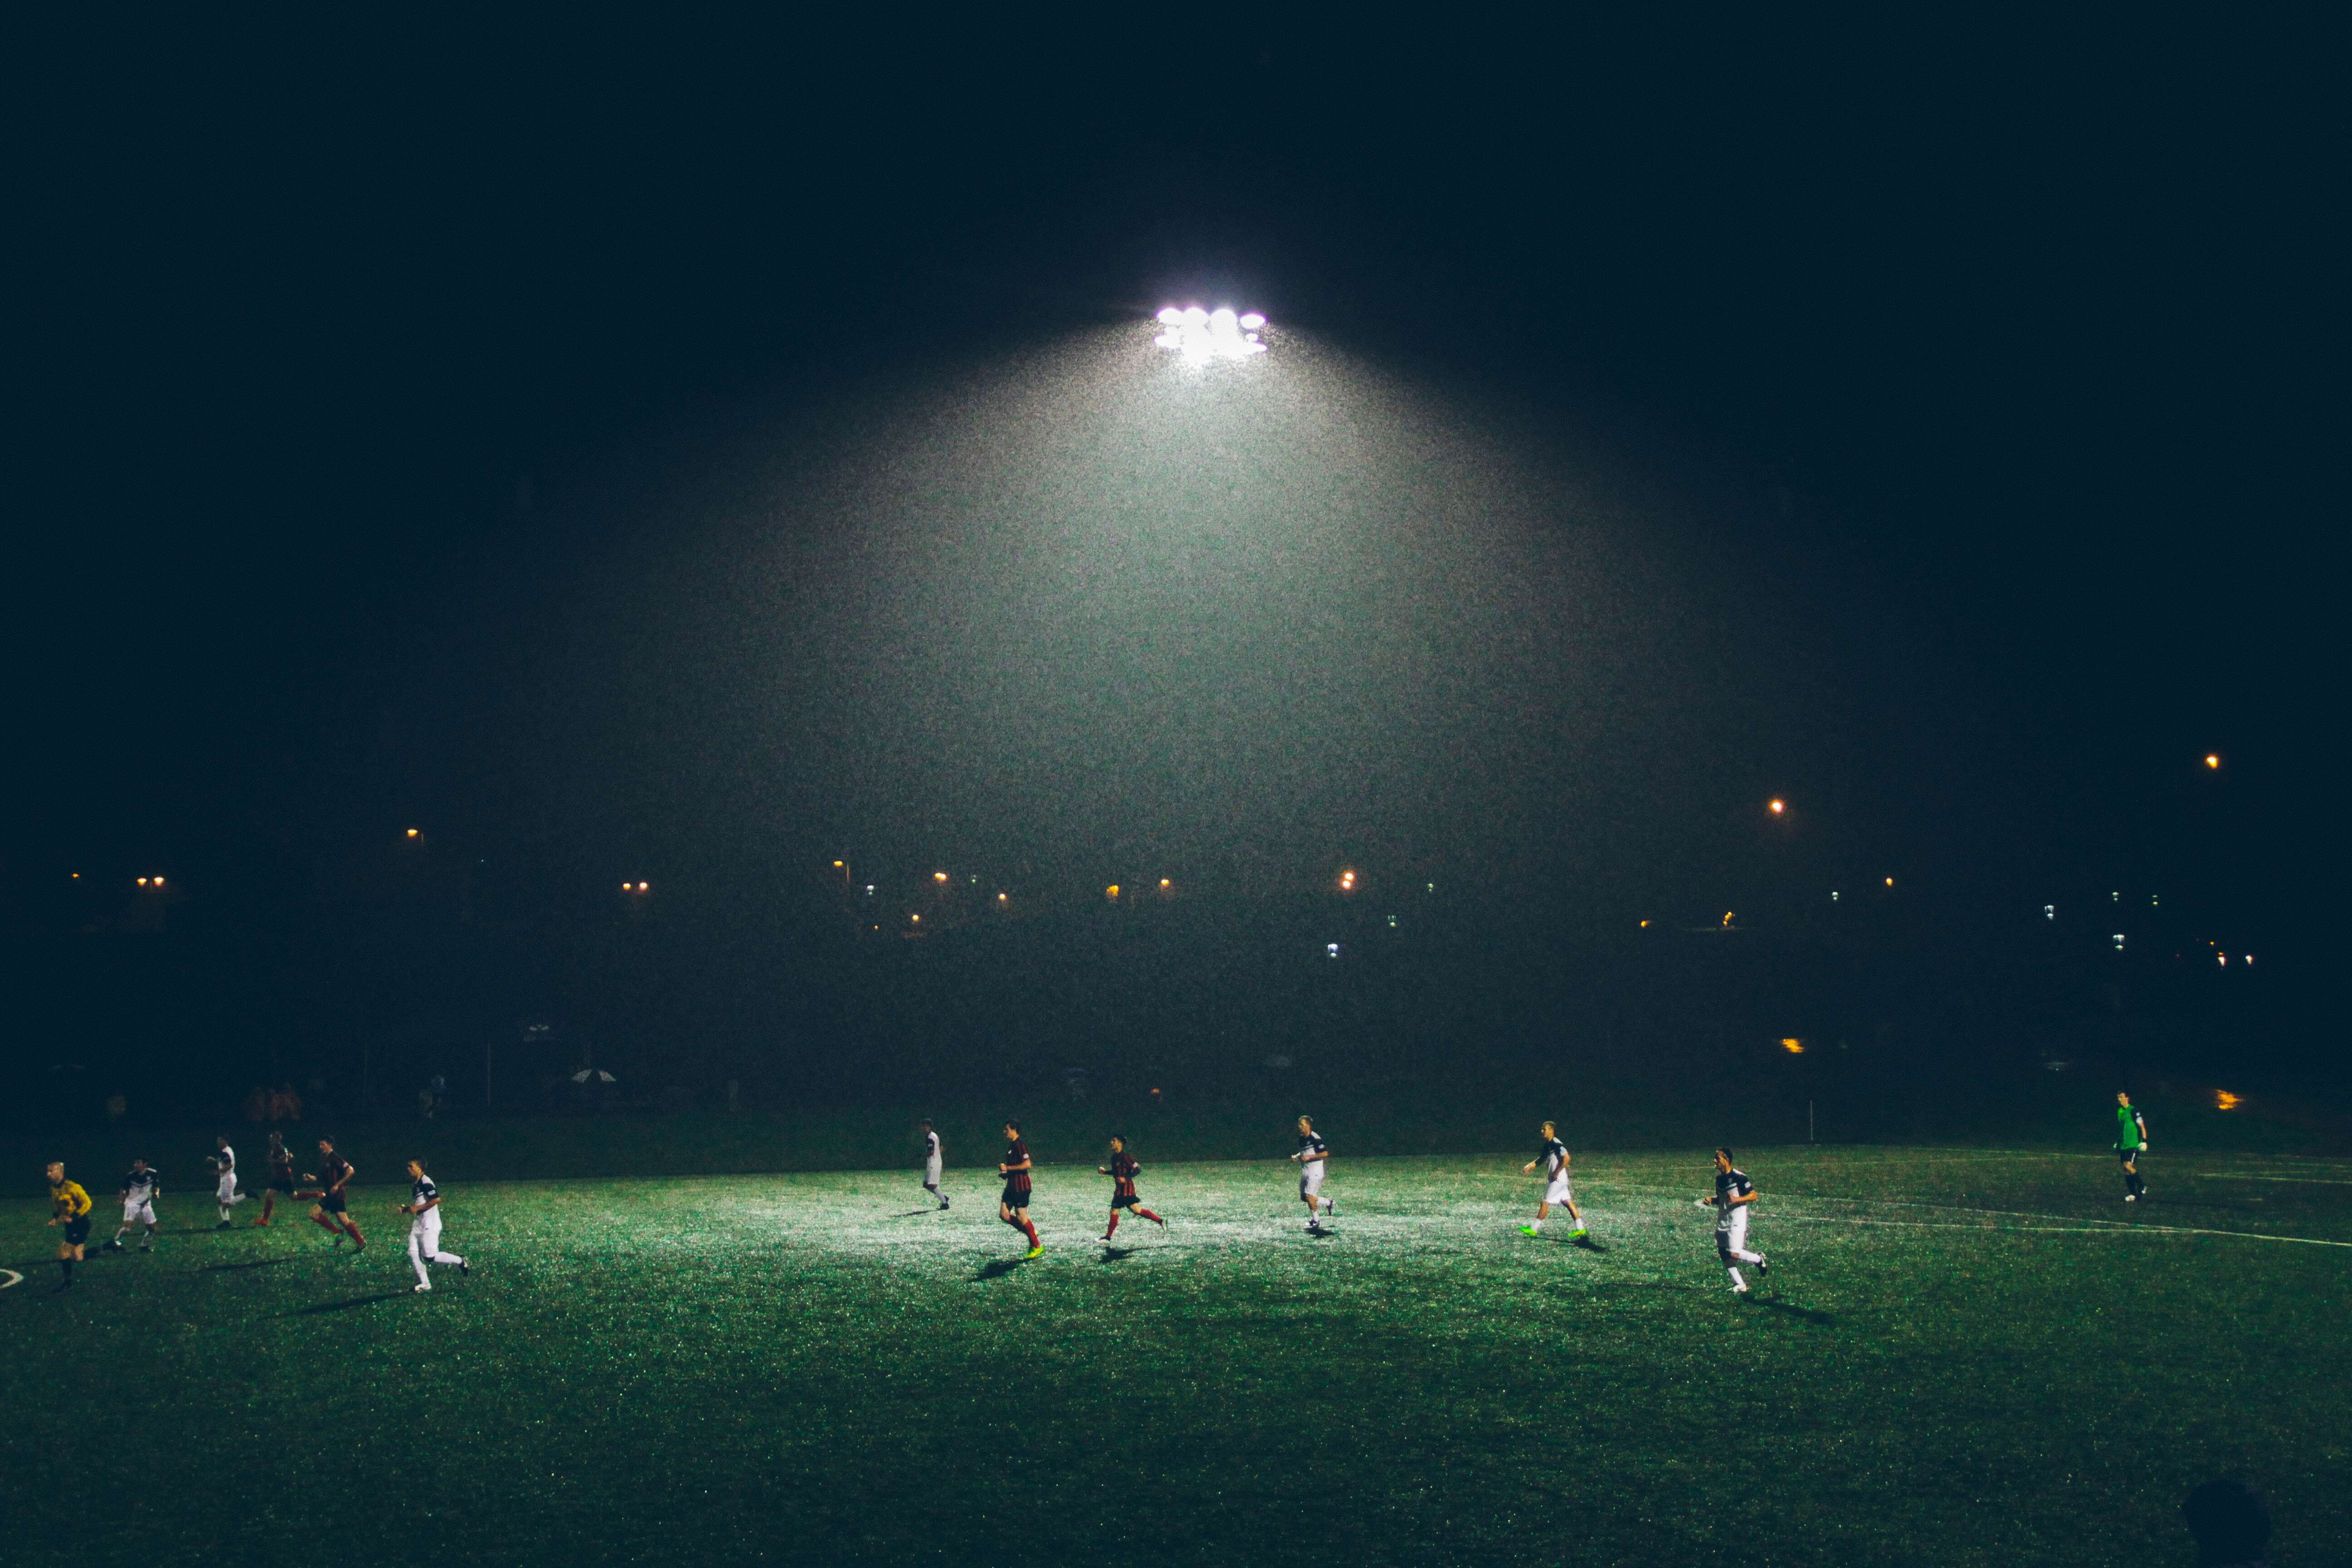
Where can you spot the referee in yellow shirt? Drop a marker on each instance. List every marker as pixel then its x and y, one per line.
pixel 71 1209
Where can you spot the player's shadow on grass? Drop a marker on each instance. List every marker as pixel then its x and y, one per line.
pixel 233 1268
pixel 1809 1314
pixel 997 1270
pixel 916 1213
pixel 346 1306
pixel 1113 1254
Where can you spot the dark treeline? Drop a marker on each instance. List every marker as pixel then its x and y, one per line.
pixel 784 988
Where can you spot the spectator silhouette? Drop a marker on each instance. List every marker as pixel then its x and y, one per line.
pixel 2230 1522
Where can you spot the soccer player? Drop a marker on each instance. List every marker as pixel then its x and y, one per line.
pixel 1734 1194
pixel 2131 1143
pixel 140 1190
pixel 1312 1152
pixel 1012 1207
pixel 69 1206
pixel 932 1165
pixel 331 1213
pixel 224 1162
pixel 423 1208
pixel 281 1176
pixel 1553 1158
pixel 1122 1170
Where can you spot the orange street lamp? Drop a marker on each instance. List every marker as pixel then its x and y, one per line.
pixel 1778 807
pixel 2212 759
pixel 411 832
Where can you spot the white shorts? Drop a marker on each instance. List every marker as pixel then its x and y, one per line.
pixel 1557 1194
pixel 227 1186
pixel 931 1172
pixel 1731 1230
pixel 1310 1178
pixel 140 1213
pixel 426 1229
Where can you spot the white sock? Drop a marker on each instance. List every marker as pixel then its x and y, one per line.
pixel 1536 1224
pixel 1736 1282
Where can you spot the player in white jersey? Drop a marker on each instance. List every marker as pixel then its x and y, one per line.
pixel 224 1163
pixel 140 1190
pixel 932 1165
pixel 1735 1194
pixel 1553 1158
pixel 424 1209
pixel 1312 1152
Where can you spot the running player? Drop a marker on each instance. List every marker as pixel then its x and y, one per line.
pixel 1122 1170
pixel 1553 1158
pixel 2131 1143
pixel 68 1206
pixel 281 1176
pixel 932 1165
pixel 423 1208
pixel 224 1162
pixel 1311 1155
pixel 1734 1195
pixel 1012 1207
pixel 140 1188
pixel 331 1213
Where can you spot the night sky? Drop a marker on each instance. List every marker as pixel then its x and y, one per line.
pixel 718 448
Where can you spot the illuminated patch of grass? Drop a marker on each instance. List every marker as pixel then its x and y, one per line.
pixel 1977 1357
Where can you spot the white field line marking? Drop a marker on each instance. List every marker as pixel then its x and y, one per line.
pixel 2300 1180
pixel 2116 1227
pixel 13 1278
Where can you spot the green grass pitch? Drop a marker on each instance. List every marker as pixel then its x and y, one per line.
pixel 1960 1356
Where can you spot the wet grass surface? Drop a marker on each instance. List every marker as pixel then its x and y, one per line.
pixel 1962 1356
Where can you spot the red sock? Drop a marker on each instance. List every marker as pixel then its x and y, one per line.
pixel 1113 1224
pixel 1031 1228
pixel 1154 1218
pixel 327 1225
pixel 354 1231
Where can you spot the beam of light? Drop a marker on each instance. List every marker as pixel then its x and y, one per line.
pixel 1198 336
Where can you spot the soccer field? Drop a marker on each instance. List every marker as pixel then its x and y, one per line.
pixel 1960 1356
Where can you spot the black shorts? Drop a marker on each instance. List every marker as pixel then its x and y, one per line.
pixel 282 1184
pixel 78 1230
pixel 1128 1201
pixel 1015 1197
pixel 332 1201
pixel 2127 1155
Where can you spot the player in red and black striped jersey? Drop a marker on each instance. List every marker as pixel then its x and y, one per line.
pixel 332 1211
pixel 281 1176
pixel 1012 1207
pixel 1122 1170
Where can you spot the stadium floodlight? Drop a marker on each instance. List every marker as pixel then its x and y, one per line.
pixel 1199 335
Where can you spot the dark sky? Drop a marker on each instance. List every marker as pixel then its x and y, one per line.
pixel 411 415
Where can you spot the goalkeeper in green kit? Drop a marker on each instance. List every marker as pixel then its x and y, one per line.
pixel 2131 1143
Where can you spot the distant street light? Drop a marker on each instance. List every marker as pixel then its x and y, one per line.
pixel 411 832
pixel 1777 807
pixel 2212 759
